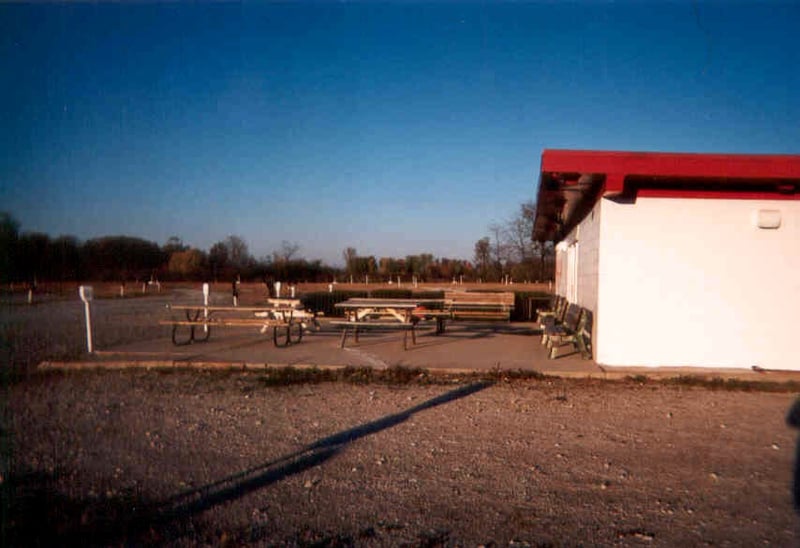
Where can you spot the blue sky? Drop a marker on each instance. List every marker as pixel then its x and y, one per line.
pixel 395 128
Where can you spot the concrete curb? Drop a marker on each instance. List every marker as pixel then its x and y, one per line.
pixel 603 374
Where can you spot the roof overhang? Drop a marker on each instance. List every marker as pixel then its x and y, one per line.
pixel 571 181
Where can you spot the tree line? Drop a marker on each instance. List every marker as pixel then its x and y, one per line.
pixel 508 254
pixel 29 257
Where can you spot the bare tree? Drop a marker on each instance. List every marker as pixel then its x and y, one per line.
pixel 286 253
pixel 349 255
pixel 483 256
pixel 518 234
pixel 238 254
pixel 218 259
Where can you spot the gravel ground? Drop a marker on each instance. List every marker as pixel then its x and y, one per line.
pixel 198 457
pixel 187 458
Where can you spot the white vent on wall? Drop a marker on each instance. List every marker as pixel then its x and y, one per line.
pixel 768 218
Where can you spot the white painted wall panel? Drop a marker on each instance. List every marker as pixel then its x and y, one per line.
pixel 588 259
pixel 561 269
pixel 692 282
pixel 587 237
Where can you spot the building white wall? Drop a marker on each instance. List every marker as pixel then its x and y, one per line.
pixel 693 282
pixel 586 237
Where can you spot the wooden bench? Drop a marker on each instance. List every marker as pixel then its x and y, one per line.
pixel 575 331
pixel 545 316
pixel 556 316
pixel 462 305
pixel 561 326
pixel 479 306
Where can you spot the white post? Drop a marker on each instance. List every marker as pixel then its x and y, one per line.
pixel 144 288
pixel 351 279
pixel 398 281
pixel 330 288
pixel 461 280
pixel 86 293
pixel 206 291
pixel 122 290
pixel 30 296
pixel 278 290
pixel 291 289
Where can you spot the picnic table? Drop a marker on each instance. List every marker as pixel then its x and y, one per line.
pixel 405 314
pixel 285 317
pixel 389 314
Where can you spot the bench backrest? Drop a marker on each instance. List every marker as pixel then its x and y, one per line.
pixel 572 317
pixel 561 309
pixel 584 333
pixel 585 323
pixel 504 300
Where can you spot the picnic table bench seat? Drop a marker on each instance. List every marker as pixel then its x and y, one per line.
pixel 355 327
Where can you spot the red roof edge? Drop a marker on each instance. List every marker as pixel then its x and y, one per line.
pixel 670 164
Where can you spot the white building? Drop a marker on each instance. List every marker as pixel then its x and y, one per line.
pixel 684 259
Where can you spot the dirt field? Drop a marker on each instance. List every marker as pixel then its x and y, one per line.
pixel 193 457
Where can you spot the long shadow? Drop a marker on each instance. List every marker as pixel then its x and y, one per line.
pixel 231 342
pixel 459 333
pixel 185 504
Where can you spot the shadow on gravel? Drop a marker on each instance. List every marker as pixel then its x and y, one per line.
pixel 38 514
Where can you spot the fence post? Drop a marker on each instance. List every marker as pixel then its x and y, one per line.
pixel 206 291
pixel 86 293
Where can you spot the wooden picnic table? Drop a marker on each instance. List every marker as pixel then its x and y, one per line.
pixel 366 313
pixel 285 317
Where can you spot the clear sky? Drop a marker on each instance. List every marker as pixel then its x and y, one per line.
pixel 395 128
